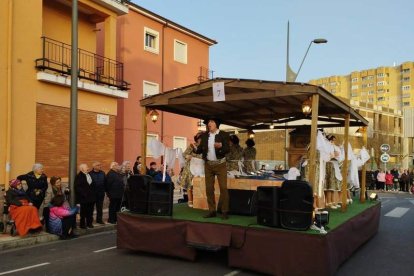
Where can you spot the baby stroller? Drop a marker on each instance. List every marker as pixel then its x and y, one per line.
pixel 6 222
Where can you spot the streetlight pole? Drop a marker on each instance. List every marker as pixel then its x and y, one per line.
pixel 291 77
pixel 73 140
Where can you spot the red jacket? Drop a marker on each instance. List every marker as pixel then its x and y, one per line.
pixel 388 179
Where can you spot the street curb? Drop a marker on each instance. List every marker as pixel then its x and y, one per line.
pixel 8 242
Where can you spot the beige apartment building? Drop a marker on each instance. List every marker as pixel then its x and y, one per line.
pixel 387 86
pixel 383 95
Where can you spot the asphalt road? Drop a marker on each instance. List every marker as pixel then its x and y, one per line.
pixel 390 252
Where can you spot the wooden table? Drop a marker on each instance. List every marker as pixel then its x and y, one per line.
pixel 199 188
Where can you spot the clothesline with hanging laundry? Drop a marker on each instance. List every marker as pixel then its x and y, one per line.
pixel 158 149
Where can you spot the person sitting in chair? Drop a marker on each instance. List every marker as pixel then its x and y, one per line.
pixel 21 209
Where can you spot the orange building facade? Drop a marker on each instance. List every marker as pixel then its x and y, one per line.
pixel 125 52
pixel 35 69
pixel 159 55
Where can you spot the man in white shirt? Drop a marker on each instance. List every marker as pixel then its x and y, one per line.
pixel 214 146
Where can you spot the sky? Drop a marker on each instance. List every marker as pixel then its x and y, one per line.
pixel 251 35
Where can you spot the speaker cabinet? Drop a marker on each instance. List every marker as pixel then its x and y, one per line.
pixel 137 193
pixel 268 206
pixel 242 202
pixel 160 198
pixel 296 205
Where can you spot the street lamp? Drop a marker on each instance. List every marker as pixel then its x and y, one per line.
pixel 290 74
pixel 291 77
pixel 316 41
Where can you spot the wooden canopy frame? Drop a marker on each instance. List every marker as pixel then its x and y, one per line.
pixel 256 104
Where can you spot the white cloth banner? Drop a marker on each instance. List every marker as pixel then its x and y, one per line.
pixel 197 166
pixel 218 92
pixel 181 159
pixel 292 174
pixel 157 148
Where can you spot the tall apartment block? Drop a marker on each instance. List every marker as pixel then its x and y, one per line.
pixel 388 86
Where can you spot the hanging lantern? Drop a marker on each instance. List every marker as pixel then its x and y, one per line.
pixel 250 134
pixel 154 115
pixel 307 107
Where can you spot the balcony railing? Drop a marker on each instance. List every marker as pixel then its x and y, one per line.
pixel 205 74
pixel 56 57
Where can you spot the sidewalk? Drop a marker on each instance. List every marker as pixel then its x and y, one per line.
pixel 8 242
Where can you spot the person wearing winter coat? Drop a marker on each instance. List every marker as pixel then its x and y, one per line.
pixel 21 209
pixel 114 187
pixel 98 177
pixel 36 182
pixel 85 196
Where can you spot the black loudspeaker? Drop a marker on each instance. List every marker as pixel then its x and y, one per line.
pixel 137 193
pixel 296 205
pixel 160 198
pixel 268 206
pixel 242 202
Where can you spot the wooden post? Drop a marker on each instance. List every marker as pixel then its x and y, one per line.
pixel 313 137
pixel 144 141
pixel 364 169
pixel 345 165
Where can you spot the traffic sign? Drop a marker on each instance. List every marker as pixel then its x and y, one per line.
pixel 385 147
pixel 385 157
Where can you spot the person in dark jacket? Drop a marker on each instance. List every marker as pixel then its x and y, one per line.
pixel 114 186
pixel 137 166
pixel 37 185
pixel 98 177
pixel 152 171
pixel 214 146
pixel 85 196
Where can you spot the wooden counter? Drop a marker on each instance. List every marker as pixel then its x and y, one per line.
pixel 199 188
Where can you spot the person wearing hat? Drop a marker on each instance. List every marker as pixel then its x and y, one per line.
pixel 21 209
pixel 214 146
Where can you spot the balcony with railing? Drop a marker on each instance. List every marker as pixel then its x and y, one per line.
pixel 56 57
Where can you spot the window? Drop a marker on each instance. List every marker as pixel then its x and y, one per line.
pixel 151 40
pixel 364 78
pixel 381 83
pixel 370 85
pixel 332 84
pixel 371 92
pixel 354 87
pixel 370 100
pixel 380 75
pixel 406 95
pixel 354 79
pixel 150 88
pixel 149 138
pixel 180 142
pixel 380 99
pixel 380 91
pixel 406 87
pixel 333 91
pixel 406 70
pixel 370 77
pixel 364 86
pixel 354 94
pixel 406 79
pixel 180 51
pixel 406 103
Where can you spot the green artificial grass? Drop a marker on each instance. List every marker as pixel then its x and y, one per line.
pixel 336 217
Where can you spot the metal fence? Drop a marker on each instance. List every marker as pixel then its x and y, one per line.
pixel 56 56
